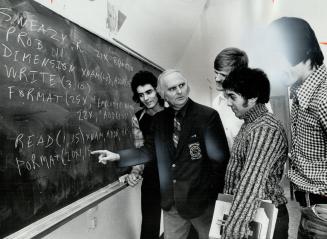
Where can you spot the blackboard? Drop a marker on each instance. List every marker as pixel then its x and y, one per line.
pixel 64 92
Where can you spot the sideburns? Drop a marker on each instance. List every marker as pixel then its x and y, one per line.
pixel 245 103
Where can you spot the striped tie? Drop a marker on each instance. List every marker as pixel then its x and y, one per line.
pixel 177 130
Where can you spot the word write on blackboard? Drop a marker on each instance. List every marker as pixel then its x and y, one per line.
pixel 64 92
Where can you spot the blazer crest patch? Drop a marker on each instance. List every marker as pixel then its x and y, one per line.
pixel 195 150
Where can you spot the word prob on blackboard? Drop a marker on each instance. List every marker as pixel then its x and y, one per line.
pixel 64 92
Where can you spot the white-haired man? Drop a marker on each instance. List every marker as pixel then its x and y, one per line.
pixel 190 146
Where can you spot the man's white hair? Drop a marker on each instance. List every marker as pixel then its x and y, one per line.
pixel 161 88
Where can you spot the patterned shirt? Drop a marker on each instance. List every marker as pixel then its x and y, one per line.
pixel 136 131
pixel 308 169
pixel 255 169
pixel 138 140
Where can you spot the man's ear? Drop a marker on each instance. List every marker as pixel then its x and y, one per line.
pixel 252 101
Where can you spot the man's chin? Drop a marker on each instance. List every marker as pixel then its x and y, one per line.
pixel 219 87
pixel 182 101
pixel 179 104
pixel 150 106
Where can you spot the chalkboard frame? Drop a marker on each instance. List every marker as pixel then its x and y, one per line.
pixel 51 222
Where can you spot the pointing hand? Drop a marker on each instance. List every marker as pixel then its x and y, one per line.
pixel 106 155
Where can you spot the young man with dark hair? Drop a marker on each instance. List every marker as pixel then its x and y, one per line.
pixel 144 85
pixel 295 39
pixel 143 78
pixel 259 153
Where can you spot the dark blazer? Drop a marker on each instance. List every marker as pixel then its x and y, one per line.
pixel 192 175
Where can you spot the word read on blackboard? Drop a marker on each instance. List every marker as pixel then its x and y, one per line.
pixel 64 93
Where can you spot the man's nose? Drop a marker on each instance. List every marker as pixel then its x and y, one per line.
pixel 179 90
pixel 146 97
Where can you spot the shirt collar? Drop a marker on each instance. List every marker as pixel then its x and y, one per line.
pixel 305 91
pixel 254 113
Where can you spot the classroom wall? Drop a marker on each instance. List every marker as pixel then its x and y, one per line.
pixel 118 217
pixel 239 24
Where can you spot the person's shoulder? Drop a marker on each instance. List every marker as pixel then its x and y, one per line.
pixel 203 109
pixel 267 119
pixel 319 99
pixel 163 113
pixel 139 112
pixel 322 92
pixel 268 122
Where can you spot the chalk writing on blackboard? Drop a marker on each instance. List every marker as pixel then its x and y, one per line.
pixel 64 93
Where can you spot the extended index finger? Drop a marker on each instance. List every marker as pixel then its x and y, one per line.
pixel 98 152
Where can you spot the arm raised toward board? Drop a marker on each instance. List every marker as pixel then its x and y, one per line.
pixel 106 155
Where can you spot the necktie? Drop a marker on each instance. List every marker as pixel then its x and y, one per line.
pixel 177 129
